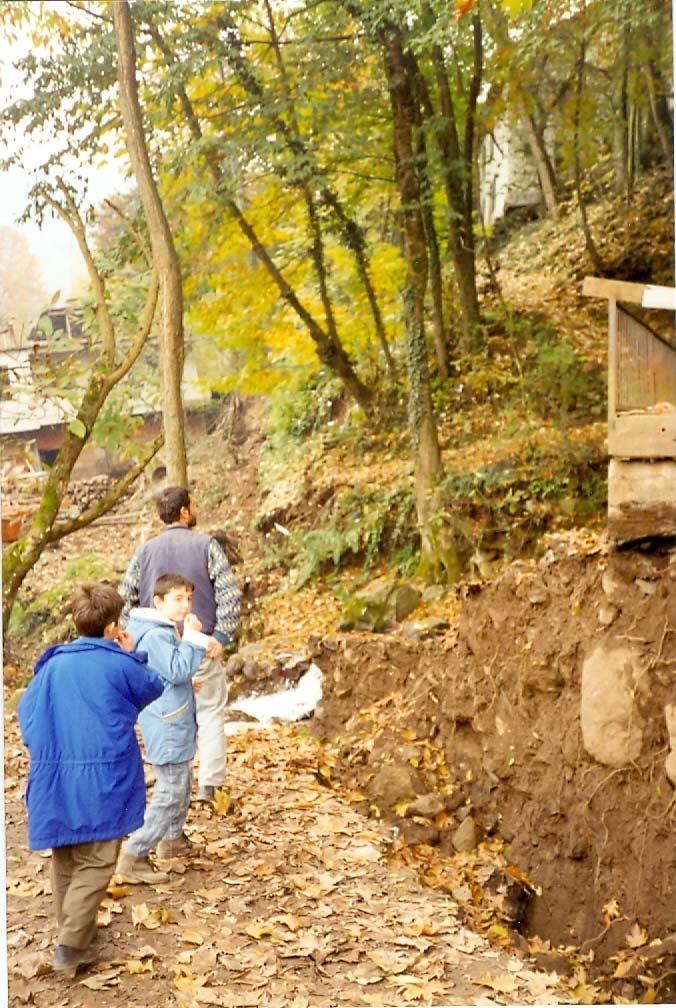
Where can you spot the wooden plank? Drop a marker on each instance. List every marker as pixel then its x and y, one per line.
pixel 645 365
pixel 621 290
pixel 647 295
pixel 612 361
pixel 643 435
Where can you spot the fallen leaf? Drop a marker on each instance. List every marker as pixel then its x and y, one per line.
pixel 102 981
pixel 424 927
pixel 141 916
pixel 139 966
pixel 205 995
pixel 636 936
pixel 622 969
pixel 505 983
pixel 192 937
pixel 32 965
pixel 222 802
pixel 184 980
pixel 292 921
pixel 389 962
pixel 417 989
pixel 118 891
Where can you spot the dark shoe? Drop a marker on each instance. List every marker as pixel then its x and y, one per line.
pixel 206 793
pixel 179 847
pixel 66 958
pixel 136 869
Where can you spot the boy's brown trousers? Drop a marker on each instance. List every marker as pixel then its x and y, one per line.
pixel 80 875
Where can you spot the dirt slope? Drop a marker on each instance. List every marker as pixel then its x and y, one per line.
pixel 498 699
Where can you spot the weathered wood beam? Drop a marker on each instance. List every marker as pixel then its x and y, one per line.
pixel 647 295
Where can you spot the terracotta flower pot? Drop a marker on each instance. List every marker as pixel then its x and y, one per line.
pixel 12 521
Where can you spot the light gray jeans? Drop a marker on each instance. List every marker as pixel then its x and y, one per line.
pixel 210 702
pixel 167 810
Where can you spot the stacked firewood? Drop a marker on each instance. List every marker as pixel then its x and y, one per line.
pixel 83 493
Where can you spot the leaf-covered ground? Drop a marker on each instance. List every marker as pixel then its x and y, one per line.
pixel 294 900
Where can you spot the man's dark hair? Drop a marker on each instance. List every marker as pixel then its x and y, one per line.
pixel 94 606
pixel 170 501
pixel 164 584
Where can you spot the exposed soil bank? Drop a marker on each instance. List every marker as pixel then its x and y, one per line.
pixel 489 717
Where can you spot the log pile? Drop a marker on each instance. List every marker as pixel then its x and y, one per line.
pixel 82 494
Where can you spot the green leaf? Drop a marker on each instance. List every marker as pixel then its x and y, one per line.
pixel 514 7
pixel 77 428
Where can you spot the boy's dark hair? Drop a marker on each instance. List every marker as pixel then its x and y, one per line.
pixel 94 606
pixel 164 584
pixel 170 501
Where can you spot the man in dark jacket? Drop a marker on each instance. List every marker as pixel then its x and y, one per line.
pixel 216 603
pixel 85 787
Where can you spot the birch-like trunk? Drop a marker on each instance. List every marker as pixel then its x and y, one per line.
pixel 164 253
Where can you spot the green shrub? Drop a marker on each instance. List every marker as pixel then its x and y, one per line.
pixel 362 526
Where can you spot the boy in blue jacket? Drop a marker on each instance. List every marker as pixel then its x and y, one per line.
pixel 169 725
pixel 85 786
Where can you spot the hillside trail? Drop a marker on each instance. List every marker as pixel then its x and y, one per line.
pixel 295 897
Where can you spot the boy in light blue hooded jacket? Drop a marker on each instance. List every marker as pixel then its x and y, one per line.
pixel 168 725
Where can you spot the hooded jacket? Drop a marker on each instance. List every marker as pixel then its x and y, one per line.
pixel 168 725
pixel 77 720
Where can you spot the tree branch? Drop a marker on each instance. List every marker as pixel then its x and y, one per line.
pixel 135 232
pixel 144 326
pixel 72 217
pixel 109 500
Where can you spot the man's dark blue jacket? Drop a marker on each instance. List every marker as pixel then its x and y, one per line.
pixel 77 720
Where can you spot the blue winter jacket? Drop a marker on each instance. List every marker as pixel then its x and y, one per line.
pixel 168 725
pixel 77 720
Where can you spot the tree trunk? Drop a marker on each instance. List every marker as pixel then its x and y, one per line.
pixel 164 253
pixel 458 168
pixel 592 251
pixel 437 555
pixel 620 143
pixel 434 258
pixel 543 165
pixel 659 111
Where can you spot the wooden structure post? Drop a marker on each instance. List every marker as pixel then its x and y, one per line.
pixel 641 412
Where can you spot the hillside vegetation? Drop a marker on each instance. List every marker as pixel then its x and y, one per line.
pixel 522 425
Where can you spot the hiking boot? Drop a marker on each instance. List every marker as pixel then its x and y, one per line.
pixel 206 792
pixel 66 957
pixel 180 846
pixel 137 869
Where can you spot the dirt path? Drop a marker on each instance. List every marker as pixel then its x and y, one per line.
pixel 291 903
pixel 296 898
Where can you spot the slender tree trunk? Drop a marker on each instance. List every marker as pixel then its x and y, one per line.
pixel 458 167
pixel 543 165
pixel 433 256
pixel 438 551
pixel 164 253
pixel 592 251
pixel 621 141
pixel 659 111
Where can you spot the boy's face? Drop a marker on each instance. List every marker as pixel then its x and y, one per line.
pixel 176 604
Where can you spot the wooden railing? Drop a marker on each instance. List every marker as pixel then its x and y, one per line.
pixel 641 372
